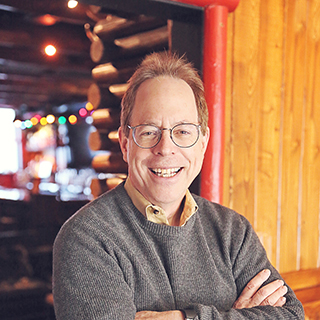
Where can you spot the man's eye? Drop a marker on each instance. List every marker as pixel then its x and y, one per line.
pixel 148 133
pixel 182 132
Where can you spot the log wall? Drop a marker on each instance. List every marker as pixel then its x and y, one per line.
pixel 272 154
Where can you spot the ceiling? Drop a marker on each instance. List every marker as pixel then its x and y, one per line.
pixel 29 79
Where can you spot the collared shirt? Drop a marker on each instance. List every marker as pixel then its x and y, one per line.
pixel 155 213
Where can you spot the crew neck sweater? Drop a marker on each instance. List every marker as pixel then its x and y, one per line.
pixel 109 262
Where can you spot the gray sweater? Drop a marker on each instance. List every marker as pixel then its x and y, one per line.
pixel 110 262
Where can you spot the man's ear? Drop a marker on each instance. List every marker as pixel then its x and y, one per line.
pixel 123 140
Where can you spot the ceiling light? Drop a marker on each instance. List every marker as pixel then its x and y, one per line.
pixel 50 50
pixel 47 20
pixel 72 4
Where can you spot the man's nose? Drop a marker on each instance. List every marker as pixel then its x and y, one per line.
pixel 165 145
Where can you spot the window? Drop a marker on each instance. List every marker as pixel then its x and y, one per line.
pixel 10 140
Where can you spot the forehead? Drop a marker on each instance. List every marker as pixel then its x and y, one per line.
pixel 165 97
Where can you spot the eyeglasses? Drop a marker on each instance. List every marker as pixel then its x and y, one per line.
pixel 184 135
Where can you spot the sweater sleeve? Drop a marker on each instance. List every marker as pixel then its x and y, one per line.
pixel 87 280
pixel 248 258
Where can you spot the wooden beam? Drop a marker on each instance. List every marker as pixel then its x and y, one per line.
pixel 59 9
pixel 164 9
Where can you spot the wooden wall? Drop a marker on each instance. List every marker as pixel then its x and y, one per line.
pixel 272 156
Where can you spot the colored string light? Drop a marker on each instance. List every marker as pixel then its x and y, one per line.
pixel 62 120
pixel 89 106
pixel 50 118
pixel 34 121
pixel 28 124
pixel 43 121
pixel 73 119
pixel 83 112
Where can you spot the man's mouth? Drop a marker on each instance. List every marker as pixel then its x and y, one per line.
pixel 166 173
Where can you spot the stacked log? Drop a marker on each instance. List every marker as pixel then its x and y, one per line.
pixel 118 44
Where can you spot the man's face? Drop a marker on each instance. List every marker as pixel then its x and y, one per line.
pixel 164 102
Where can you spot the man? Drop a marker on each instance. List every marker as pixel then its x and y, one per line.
pixel 149 249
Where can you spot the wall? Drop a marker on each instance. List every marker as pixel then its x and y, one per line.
pixel 272 156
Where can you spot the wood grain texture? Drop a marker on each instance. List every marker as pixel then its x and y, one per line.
pixel 245 97
pixel 311 157
pixel 268 123
pixel 272 150
pixel 292 144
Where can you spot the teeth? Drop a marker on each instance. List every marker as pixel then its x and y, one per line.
pixel 165 173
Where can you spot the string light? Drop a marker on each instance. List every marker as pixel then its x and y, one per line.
pixel 83 112
pixel 34 121
pixel 89 106
pixel 28 124
pixel 43 121
pixel 62 120
pixel 17 123
pixel 73 119
pixel 89 120
pixel 50 118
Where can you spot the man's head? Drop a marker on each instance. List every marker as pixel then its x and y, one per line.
pixel 165 92
pixel 164 64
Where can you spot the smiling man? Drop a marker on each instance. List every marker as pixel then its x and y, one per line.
pixel 149 249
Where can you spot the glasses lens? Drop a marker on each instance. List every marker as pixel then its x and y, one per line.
pixel 146 136
pixel 185 135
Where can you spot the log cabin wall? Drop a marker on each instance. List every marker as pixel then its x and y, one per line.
pixel 118 45
pixel 272 154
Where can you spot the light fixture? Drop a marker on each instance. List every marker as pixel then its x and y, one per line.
pixel 72 4
pixel 50 50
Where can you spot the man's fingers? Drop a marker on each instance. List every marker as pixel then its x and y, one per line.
pixel 254 294
pixel 281 302
pixel 275 294
pixel 254 284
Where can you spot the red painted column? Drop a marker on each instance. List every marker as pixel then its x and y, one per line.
pixel 214 78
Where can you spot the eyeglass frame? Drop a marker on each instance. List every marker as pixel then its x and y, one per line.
pixel 198 126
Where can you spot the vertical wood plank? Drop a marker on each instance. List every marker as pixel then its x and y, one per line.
pixel 244 112
pixel 293 113
pixel 270 78
pixel 311 159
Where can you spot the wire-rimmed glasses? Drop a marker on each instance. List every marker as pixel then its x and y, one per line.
pixel 184 135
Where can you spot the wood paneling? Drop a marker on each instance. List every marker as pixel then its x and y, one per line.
pixel 272 154
pixel 310 179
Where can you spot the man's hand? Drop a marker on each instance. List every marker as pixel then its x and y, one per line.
pixel 165 315
pixel 271 294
